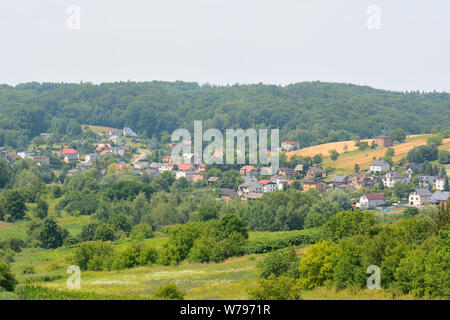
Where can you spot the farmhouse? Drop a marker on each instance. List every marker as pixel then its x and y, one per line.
pixel 379 165
pixel 338 181
pixel 391 178
pixel 360 180
pixel 439 184
pixel 227 194
pixel 198 176
pixel 370 201
pixel 315 173
pixel 298 169
pixel 439 197
pixel 247 170
pixel 44 160
pixel 287 172
pixel 70 157
pixel 249 187
pixel 268 185
pixel 427 181
pixel 91 157
pixel 419 197
pixel 287 146
pixel 383 141
pixel 313 184
pixel 26 154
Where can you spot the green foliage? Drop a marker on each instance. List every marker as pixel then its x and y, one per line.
pixel 104 232
pixel 41 209
pixel 48 233
pixel 348 223
pixel 15 204
pixel 283 240
pixel 276 288
pixel 5 173
pixel 390 152
pixel 169 291
pixel 7 280
pixel 334 155
pixel 88 232
pixel 283 262
pixel 422 153
pixel 92 255
pixel 13 244
pixel 141 231
pixel 398 135
pixel 444 157
pixel 316 266
pixel 350 268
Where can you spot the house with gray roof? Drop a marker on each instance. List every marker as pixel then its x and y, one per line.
pixel 419 197
pixel 379 165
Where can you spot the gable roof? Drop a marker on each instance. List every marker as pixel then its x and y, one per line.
pixel 264 182
pixel 69 151
pixel 339 178
pixel 440 196
pixel 184 166
pixel 379 162
pixel 374 196
pixel 422 192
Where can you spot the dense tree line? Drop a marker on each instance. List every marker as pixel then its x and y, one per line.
pixel 309 112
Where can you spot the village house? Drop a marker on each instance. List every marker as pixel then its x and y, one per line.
pixel 118 151
pixel 129 132
pixel 338 181
pixel 383 141
pixel 115 132
pixel 46 135
pixel 167 159
pixel 268 185
pixel 439 184
pixel 280 181
pixel 141 165
pixel 298 169
pixel 314 173
pixel 42 160
pixel 313 184
pixel 84 165
pixel 198 176
pixel 247 170
pixel 391 178
pixel 361 180
pixel 287 172
pixel 165 167
pixel 427 182
pixel 439 197
pixel 91 157
pixel 185 167
pixel 213 180
pixel 419 197
pixel 287 146
pixel 26 154
pixel 249 187
pixel 379 166
pixel 227 194
pixel 105 152
pixel 70 157
pixel 253 196
pixel 371 201
pixel 66 151
pixel 413 168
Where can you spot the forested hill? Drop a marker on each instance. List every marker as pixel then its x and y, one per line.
pixel 309 112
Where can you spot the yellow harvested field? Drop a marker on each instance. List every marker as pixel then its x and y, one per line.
pixel 326 147
pixel 362 158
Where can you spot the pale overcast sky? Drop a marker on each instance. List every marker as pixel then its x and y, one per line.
pixel 228 41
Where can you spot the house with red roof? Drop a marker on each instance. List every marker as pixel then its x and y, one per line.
pixel 185 166
pixel 247 170
pixel 371 201
pixel 268 185
pixel 104 152
pixel 66 151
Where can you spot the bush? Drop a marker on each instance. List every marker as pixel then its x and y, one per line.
pixel 169 291
pixel 141 231
pixel 273 288
pixel 316 266
pixel 28 270
pixel 283 262
pixel 348 223
pixel 7 280
pixel 104 233
pixel 92 255
pixel 148 255
pixel 283 240
pixel 13 244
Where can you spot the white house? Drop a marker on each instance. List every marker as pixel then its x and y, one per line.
pixel 391 178
pixel 91 157
pixel 379 165
pixel 370 201
pixel 268 185
pixel 419 197
pixel 128 132
pixel 26 154
pixel 439 184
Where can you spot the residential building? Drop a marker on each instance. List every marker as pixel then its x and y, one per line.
pixel 42 160
pixel 439 184
pixel 268 185
pixel 26 154
pixel 129 132
pixel 427 182
pixel 314 173
pixel 383 141
pixel 249 187
pixel 338 181
pixel 371 201
pixel 287 172
pixel 213 180
pixel 439 197
pixel 92 157
pixel 361 180
pixel 379 165
pixel 298 169
pixel 419 197
pixel 247 170
pixel 287 146
pixel 313 184
pixel 198 176
pixel 141 165
pixel 227 194
pixel 391 178
pixel 70 157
